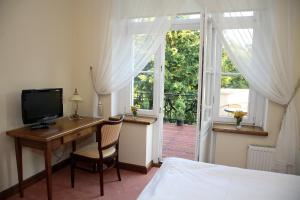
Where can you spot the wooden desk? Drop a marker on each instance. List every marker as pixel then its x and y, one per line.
pixel 64 131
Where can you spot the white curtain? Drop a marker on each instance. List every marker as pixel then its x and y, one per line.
pixel 256 34
pixel 133 31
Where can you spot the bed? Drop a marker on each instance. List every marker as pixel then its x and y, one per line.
pixel 187 180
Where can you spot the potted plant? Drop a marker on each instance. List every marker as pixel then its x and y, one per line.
pixel 134 110
pixel 238 115
pixel 180 111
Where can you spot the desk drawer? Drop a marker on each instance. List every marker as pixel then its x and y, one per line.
pixel 79 134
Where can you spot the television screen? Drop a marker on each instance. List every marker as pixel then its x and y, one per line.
pixel 39 105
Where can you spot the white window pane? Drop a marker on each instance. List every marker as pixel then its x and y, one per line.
pixel 234 94
pixel 235 81
pixel 227 65
pixel 239 38
pixel 143 87
pixel 239 14
pixel 192 16
pixel 145 19
pixel 233 99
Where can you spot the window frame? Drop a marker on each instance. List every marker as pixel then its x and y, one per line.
pixel 153 112
pixel 149 73
pixel 255 116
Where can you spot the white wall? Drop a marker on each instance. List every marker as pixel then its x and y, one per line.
pixel 90 17
pixel 44 44
pixel 136 144
pixel 49 43
pixel 296 62
pixel 36 51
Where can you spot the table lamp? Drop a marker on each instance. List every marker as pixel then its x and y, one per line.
pixel 76 98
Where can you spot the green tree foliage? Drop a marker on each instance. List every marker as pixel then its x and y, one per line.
pixel 180 108
pixel 181 74
pixel 181 62
pixel 143 87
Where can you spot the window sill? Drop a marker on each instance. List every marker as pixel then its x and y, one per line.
pixel 138 120
pixel 245 130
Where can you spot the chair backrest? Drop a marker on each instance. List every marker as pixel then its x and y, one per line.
pixel 109 132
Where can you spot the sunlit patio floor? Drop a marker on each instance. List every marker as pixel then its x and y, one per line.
pixel 179 141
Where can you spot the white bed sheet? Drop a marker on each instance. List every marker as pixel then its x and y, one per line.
pixel 187 180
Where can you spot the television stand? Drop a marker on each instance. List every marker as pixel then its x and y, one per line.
pixel 40 126
pixel 43 124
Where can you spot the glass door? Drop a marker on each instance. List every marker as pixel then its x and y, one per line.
pixel 206 89
pixel 179 89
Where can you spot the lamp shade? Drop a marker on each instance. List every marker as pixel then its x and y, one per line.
pixel 76 96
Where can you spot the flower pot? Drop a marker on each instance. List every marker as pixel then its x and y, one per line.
pixel 179 122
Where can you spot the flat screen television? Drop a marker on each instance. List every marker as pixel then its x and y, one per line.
pixel 41 106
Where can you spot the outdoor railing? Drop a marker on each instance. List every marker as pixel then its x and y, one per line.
pixel 190 101
pixel 145 101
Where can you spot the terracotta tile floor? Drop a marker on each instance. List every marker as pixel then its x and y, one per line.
pixel 179 141
pixel 87 186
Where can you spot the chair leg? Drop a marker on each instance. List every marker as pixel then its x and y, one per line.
pixel 118 167
pixel 100 170
pixel 94 167
pixel 73 164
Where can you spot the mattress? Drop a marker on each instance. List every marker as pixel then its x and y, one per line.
pixel 185 179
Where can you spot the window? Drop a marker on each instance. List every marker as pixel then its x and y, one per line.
pixel 234 93
pixel 143 86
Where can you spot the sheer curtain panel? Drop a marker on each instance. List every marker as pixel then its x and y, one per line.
pixel 133 32
pixel 257 36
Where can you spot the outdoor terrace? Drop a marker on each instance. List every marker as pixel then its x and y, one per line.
pixel 179 141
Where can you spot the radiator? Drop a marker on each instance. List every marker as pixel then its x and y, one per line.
pixel 260 158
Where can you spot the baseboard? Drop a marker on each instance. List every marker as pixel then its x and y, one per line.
pixel 136 168
pixel 156 164
pixel 149 166
pixel 32 180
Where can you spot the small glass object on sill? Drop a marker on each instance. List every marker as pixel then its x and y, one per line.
pixel 238 115
pixel 134 110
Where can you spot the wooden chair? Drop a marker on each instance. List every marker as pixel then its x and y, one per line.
pixel 104 150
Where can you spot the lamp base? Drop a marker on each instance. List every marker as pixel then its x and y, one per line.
pixel 75 116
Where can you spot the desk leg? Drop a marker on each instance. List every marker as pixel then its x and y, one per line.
pixel 18 148
pixel 48 167
pixel 74 146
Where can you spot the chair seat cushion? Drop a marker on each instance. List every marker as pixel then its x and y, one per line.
pixel 91 151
